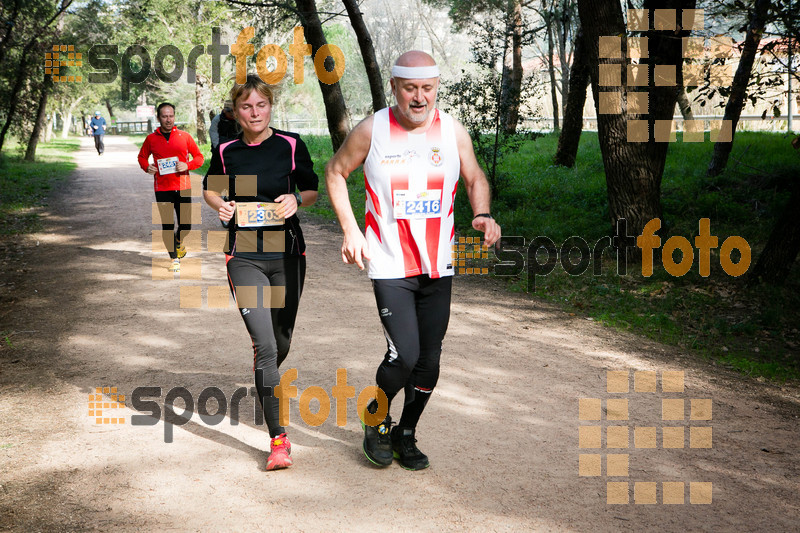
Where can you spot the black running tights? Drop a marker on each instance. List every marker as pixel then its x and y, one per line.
pixel 269 325
pixel 415 313
pixel 176 199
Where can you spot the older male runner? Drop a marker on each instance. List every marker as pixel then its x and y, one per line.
pixel 412 155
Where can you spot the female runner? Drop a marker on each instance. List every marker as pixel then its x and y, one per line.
pixel 263 171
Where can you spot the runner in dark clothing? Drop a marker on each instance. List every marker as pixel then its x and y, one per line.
pixel 262 170
pixel 223 127
pixel 98 127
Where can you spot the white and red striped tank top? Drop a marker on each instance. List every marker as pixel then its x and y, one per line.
pixel 411 184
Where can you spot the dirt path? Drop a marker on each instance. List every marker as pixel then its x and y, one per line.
pixel 502 431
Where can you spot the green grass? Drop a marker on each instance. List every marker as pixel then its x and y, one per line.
pixel 24 186
pixel 752 329
pixel 537 198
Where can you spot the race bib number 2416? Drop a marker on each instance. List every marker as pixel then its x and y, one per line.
pixel 422 204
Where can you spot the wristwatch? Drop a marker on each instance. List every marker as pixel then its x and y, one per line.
pixel 484 215
pixel 298 198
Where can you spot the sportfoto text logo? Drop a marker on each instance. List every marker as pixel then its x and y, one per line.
pixel 271 61
pixel 143 399
pixel 513 262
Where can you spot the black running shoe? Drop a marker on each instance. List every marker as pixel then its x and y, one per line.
pixel 406 451
pixel 378 442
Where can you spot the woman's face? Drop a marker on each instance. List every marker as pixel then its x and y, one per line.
pixel 253 113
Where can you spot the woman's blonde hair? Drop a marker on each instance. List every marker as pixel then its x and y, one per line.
pixel 253 83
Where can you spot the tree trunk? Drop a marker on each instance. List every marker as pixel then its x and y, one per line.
pixel 576 99
pixel 733 109
pixel 563 31
pixel 68 120
pixel 10 23
pixel 684 106
pixel 110 111
pixel 41 121
pixel 200 111
pixel 551 68
pixel 512 88
pixel 665 48
pixel 441 48
pixel 21 74
pixel 367 54
pixel 633 169
pixel 335 110
pixel 11 109
pixel 47 135
pixel 779 254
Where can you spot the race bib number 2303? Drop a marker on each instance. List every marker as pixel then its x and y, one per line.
pixel 254 214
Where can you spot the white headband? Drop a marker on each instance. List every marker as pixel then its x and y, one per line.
pixel 415 73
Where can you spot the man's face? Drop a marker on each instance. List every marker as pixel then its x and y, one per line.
pixel 416 98
pixel 167 118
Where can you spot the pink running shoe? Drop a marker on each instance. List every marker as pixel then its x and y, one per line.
pixel 281 454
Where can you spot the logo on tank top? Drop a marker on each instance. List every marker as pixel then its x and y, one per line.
pixel 393 159
pixel 436 156
pixel 400 159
